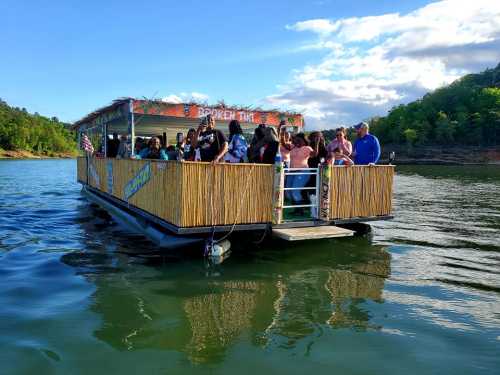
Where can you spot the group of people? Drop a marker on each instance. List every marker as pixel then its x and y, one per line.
pixel 209 144
pixel 300 151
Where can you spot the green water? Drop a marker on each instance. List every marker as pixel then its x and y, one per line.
pixel 421 295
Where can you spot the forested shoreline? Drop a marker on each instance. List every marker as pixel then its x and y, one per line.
pixel 31 135
pixel 464 113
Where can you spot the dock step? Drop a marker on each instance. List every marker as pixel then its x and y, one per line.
pixel 311 233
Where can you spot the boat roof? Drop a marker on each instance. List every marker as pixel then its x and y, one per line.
pixel 159 111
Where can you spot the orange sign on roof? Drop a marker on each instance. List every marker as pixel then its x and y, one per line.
pixel 218 113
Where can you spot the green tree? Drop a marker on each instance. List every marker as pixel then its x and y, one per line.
pixel 20 130
pixel 464 112
pixel 445 129
pixel 410 136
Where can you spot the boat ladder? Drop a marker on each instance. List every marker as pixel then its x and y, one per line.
pixel 314 174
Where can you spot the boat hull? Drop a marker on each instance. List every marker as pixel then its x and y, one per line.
pixel 137 224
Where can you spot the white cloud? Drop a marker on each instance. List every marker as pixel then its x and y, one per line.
pixel 373 63
pixel 321 26
pixel 197 96
pixel 172 99
pixel 184 97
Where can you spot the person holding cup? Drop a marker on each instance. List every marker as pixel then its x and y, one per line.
pixel 341 142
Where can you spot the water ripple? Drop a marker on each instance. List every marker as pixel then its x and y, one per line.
pixel 425 285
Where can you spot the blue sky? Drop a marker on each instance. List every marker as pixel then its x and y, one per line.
pixel 66 58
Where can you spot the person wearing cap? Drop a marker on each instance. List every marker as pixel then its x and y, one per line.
pixel 366 147
pixel 210 142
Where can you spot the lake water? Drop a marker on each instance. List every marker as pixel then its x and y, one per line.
pixel 421 295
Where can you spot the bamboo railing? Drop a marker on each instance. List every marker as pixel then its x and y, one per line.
pixel 361 191
pixel 192 194
pixel 188 194
pixel 226 193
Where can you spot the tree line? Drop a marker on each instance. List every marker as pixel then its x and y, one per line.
pixel 466 112
pixel 20 130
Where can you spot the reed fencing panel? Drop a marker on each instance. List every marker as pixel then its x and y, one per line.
pixel 81 168
pixel 361 191
pixel 224 194
pixel 160 190
pixel 192 194
pixel 187 194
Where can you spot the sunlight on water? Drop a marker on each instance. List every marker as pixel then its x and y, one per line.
pixel 420 295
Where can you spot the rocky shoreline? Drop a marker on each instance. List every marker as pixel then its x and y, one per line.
pixel 23 154
pixel 434 155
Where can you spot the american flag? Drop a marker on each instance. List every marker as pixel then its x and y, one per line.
pixel 86 144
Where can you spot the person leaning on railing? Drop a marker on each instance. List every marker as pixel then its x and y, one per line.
pixel 123 148
pixel 139 145
pixel 210 143
pixel 366 147
pixel 154 151
pixel 188 152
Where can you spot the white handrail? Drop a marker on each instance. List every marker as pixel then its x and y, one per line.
pixel 300 169
pixel 300 206
pixel 301 188
pixel 302 172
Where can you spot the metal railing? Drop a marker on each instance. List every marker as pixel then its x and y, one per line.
pixel 307 172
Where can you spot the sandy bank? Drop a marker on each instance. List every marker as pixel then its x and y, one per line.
pixel 22 154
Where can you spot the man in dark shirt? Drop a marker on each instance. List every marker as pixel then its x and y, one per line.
pixel 211 142
pixel 112 146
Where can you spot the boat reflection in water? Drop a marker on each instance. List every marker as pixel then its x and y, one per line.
pixel 271 296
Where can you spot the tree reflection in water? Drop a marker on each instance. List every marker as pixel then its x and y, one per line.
pixel 277 295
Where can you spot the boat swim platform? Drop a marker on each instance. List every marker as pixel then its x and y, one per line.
pixel 311 233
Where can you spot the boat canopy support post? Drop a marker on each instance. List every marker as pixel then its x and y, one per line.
pixel 131 126
pixel 324 192
pixel 278 192
pixel 104 130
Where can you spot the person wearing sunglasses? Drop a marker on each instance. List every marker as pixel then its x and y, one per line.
pixel 341 142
